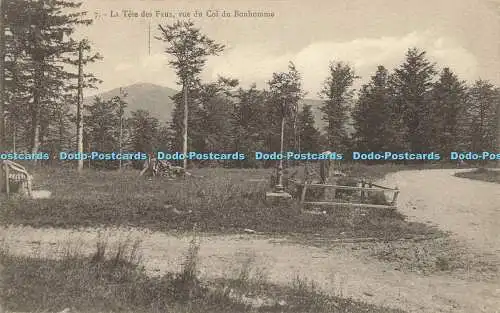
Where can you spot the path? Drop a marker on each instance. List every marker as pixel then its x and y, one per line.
pixel 468 208
pixel 337 271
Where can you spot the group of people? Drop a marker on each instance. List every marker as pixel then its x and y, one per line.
pixel 155 167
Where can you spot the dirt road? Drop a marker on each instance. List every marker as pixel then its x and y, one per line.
pixel 465 207
pixel 470 209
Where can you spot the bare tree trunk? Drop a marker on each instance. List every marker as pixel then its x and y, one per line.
pixel 279 185
pixel 120 141
pixel 185 142
pixel 2 124
pixel 79 110
pixel 2 74
pixel 121 111
pixel 35 122
pixel 14 135
pixel 61 131
pixel 498 131
pixel 296 145
pixel 2 96
pixel 37 98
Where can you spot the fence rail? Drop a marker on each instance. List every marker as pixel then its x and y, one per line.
pixel 351 204
pixel 365 189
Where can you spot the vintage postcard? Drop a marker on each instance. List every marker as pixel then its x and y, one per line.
pixel 250 156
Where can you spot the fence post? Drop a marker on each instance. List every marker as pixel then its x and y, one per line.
pixel 303 195
pixel 7 185
pixel 395 197
pixel 363 191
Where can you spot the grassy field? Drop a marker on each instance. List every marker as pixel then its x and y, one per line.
pixel 222 201
pixel 482 174
pixel 113 280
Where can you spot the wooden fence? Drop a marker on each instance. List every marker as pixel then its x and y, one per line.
pixel 365 189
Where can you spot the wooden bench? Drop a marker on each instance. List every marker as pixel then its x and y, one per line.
pixel 15 179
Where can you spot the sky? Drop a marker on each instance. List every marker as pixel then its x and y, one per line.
pixel 461 34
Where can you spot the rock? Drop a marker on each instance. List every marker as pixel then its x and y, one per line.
pixel 41 194
pixel 174 210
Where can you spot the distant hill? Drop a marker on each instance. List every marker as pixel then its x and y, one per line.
pixel 315 105
pixel 149 97
pixel 156 100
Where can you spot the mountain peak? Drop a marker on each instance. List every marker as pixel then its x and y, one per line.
pixel 146 86
pixel 144 96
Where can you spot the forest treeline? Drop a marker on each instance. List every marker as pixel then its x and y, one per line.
pixel 419 106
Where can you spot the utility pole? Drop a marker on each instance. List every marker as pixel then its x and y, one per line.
pixel 79 110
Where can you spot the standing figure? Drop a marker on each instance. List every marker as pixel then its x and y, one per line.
pixel 149 166
pixel 324 170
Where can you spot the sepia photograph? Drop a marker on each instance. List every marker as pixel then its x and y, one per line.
pixel 240 156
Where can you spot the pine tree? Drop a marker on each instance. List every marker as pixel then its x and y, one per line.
pixel 373 115
pixel 144 133
pixel 481 122
pixel 249 124
pixel 38 43
pixel 309 134
pixel 60 124
pixel 337 93
pixel 17 92
pixel 101 126
pixel 412 83
pixel 449 98
pixel 218 105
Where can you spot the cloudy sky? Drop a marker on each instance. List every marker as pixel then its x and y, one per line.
pixel 462 34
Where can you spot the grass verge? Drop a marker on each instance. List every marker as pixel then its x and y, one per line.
pixel 112 279
pixel 482 174
pixel 223 201
pixel 440 255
